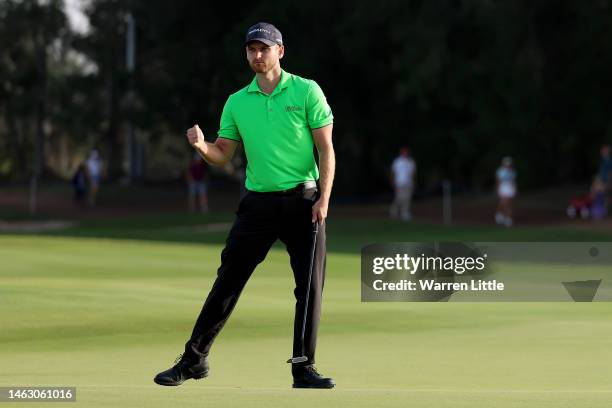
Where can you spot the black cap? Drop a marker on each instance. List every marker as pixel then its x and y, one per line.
pixel 264 32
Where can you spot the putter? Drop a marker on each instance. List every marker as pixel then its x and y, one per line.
pixel 303 358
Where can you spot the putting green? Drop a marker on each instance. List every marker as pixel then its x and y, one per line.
pixel 105 315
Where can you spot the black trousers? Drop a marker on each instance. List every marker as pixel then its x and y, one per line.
pixel 261 219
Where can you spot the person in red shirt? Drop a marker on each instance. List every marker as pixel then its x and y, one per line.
pixel 196 181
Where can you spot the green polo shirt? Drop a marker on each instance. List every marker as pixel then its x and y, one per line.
pixel 276 131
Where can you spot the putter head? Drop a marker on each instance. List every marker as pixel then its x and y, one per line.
pixel 295 360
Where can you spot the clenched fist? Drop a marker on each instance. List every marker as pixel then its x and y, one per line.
pixel 196 137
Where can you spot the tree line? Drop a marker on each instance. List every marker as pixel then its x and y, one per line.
pixel 463 83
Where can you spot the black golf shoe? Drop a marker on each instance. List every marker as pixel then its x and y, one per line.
pixel 183 370
pixel 308 377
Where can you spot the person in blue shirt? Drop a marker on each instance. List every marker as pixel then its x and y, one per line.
pixel 506 191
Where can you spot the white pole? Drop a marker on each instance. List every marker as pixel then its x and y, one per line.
pixel 446 202
pixel 130 64
pixel 130 49
pixel 33 194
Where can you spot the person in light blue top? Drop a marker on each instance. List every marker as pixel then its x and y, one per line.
pixel 506 191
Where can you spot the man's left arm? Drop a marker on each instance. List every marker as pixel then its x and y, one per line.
pixel 327 168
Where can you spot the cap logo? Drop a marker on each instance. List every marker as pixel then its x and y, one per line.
pixel 259 29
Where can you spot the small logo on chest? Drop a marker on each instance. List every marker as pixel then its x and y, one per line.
pixel 293 108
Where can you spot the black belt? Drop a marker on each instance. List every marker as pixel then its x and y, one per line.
pixel 300 188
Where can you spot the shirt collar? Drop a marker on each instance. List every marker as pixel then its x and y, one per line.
pixel 284 82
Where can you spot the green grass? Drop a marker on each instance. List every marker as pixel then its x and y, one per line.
pixel 105 305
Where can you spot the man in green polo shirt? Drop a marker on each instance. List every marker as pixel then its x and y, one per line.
pixel 279 118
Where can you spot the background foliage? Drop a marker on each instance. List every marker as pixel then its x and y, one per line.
pixel 462 82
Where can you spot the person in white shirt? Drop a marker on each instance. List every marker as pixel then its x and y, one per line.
pixel 506 191
pixel 403 171
pixel 94 170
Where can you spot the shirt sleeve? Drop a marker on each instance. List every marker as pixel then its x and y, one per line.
pixel 228 128
pixel 318 112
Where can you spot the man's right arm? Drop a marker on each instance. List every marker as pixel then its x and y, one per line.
pixel 216 154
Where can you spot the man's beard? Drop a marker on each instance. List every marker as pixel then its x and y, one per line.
pixel 259 68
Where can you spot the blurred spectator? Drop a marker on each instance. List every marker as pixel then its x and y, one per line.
pixel 196 181
pixel 94 171
pixel 598 199
pixel 240 172
pixel 605 170
pixel 403 171
pixel 506 191
pixel 79 183
pixel 605 166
